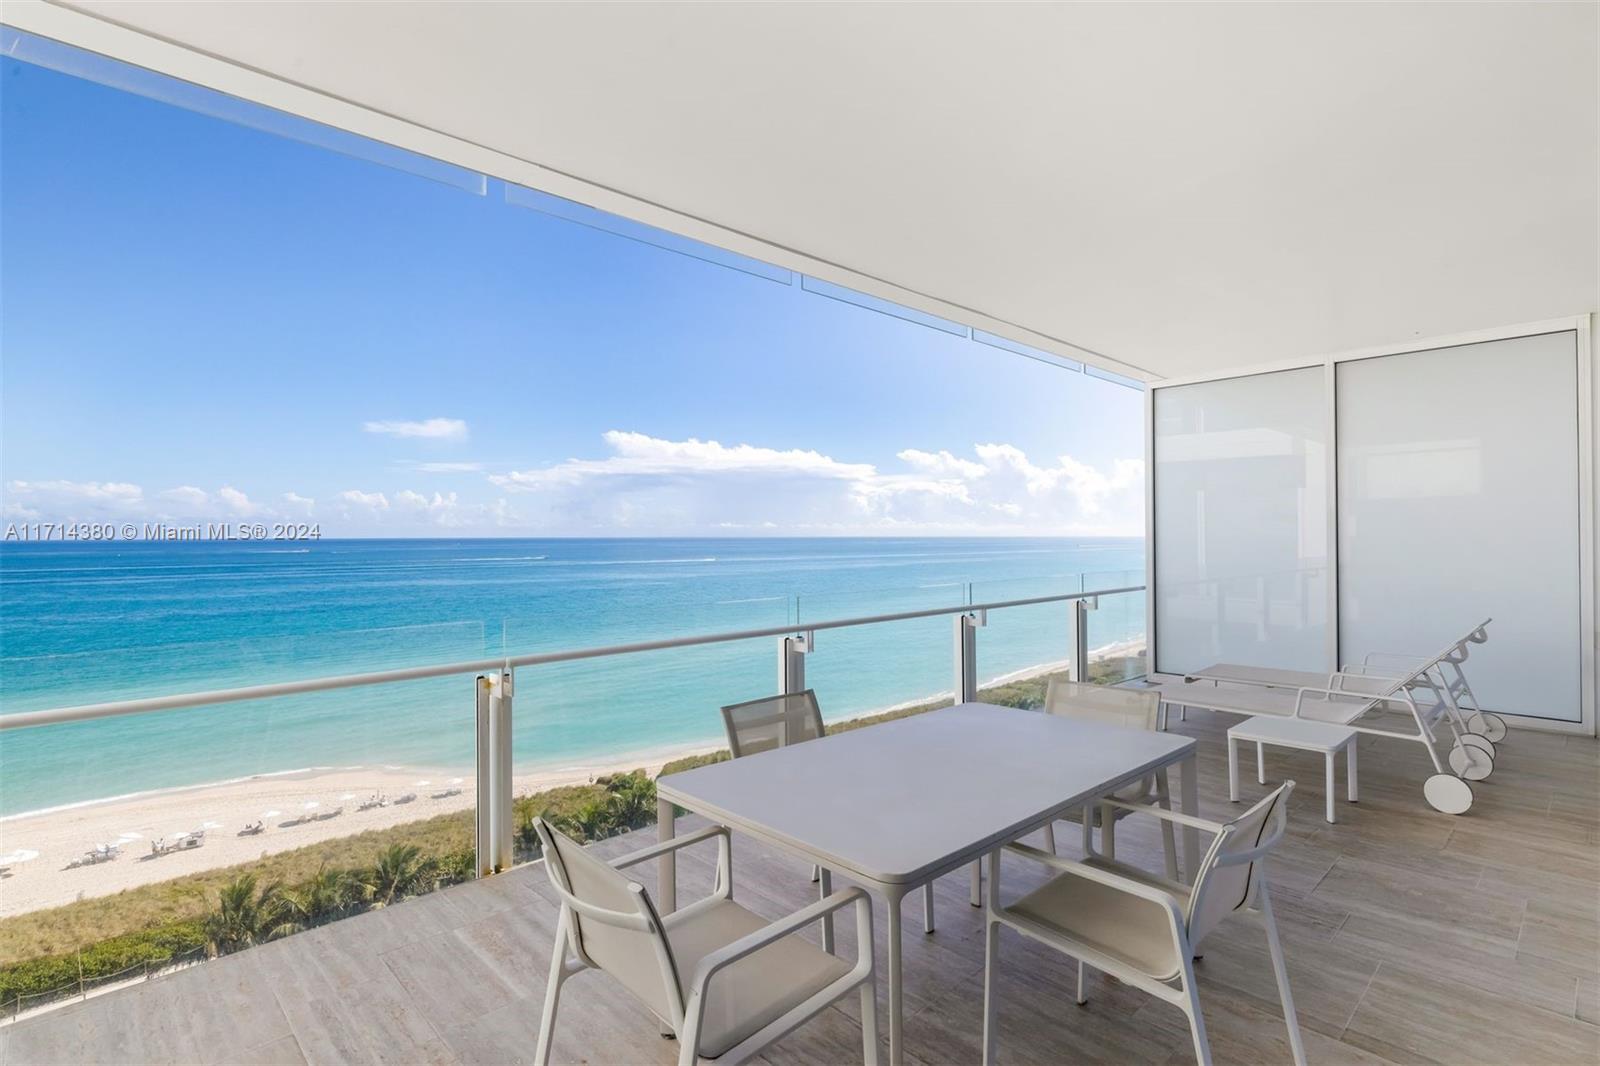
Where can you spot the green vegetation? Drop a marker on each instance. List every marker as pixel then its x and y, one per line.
pixel 226 910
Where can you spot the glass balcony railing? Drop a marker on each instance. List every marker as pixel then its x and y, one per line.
pixel 362 768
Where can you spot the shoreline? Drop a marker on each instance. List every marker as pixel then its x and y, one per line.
pixel 66 832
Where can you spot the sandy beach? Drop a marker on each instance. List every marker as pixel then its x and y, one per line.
pixel 63 835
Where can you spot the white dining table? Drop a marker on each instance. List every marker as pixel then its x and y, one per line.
pixel 895 805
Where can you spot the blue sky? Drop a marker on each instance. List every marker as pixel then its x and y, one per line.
pixel 204 321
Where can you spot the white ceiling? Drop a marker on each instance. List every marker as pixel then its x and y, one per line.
pixel 1182 188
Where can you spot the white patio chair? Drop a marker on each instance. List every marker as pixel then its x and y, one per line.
pixel 1142 929
pixel 724 980
pixel 1133 709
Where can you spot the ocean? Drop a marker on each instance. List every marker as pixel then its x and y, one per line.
pixel 85 623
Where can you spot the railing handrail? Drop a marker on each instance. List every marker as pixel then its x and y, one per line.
pixel 150 704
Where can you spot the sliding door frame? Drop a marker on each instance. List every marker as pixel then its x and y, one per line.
pixel 1588 572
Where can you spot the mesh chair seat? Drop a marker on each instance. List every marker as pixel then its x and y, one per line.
pixel 755 990
pixel 1134 931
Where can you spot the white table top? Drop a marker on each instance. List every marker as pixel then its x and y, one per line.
pixel 901 801
pixel 1294 733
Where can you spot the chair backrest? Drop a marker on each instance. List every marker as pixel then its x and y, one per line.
pixel 615 926
pixel 772 722
pixel 1133 708
pixel 1232 869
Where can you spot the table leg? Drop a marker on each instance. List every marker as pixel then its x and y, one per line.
pixel 1189 767
pixel 1233 770
pixel 897 1048
pixel 1350 771
pixel 977 881
pixel 1328 783
pixel 667 875
pixel 1261 763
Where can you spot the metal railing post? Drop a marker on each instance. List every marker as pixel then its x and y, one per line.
pixel 501 806
pixel 792 651
pixel 1079 668
pixel 966 654
pixel 483 836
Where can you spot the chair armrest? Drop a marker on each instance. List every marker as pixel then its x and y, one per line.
pixel 655 851
pixel 1371 699
pixel 1101 874
pixel 1364 671
pixel 1164 814
pixel 751 943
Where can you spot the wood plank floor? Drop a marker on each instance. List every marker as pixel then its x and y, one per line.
pixel 1411 937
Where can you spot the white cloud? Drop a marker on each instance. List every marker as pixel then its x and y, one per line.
pixel 102 494
pixel 941 462
pixel 651 485
pixel 428 428
pixel 188 496
pixel 299 502
pixel 440 509
pixel 236 501
pixel 640 455
pixel 375 501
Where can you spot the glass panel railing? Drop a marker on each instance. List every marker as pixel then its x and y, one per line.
pixel 41 680
pixel 864 672
pixel 1117 636
pixel 153 839
pixel 590 736
pixel 1020 648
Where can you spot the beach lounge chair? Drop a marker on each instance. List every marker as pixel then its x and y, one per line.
pixel 1142 929
pixel 1475 732
pixel 409 797
pixel 253 829
pixel 724 980
pixel 1343 698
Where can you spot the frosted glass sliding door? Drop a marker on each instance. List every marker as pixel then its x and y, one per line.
pixel 1458 500
pixel 1241 522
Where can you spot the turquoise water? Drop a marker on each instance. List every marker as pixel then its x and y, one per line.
pixel 83 623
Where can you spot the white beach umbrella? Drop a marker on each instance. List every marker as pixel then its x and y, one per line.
pixel 457 780
pixel 125 838
pixel 210 825
pixel 348 796
pixel 20 855
pixel 422 784
pixel 310 805
pixel 270 814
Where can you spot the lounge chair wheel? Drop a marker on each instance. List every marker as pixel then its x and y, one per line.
pixel 1447 793
pixel 1470 759
pixel 1488 724
pixel 1478 740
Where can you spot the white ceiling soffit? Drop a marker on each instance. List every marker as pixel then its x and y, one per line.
pixel 1182 187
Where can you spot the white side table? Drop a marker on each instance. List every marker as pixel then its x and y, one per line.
pixel 1301 733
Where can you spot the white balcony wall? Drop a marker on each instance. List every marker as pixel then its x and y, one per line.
pixel 1459 489
pixel 1459 499
pixel 1241 522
